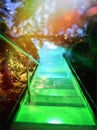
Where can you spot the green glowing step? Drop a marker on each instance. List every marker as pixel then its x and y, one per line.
pixel 54 115
pixel 44 100
pixel 54 92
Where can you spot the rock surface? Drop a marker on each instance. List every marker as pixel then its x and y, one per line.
pixel 13 78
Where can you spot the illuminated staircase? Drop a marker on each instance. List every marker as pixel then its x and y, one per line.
pixel 55 98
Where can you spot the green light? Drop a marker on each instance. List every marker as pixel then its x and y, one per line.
pixel 55 121
pixel 56 97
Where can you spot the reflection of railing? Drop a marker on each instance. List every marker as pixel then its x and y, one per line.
pixel 18 48
pixel 29 79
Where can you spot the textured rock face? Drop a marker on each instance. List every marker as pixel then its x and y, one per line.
pixel 13 74
pixel 13 64
pixel 13 68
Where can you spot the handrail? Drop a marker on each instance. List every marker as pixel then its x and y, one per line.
pixel 2 36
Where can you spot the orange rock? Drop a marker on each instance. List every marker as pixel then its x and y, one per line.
pixel 2 93
pixel 1 81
